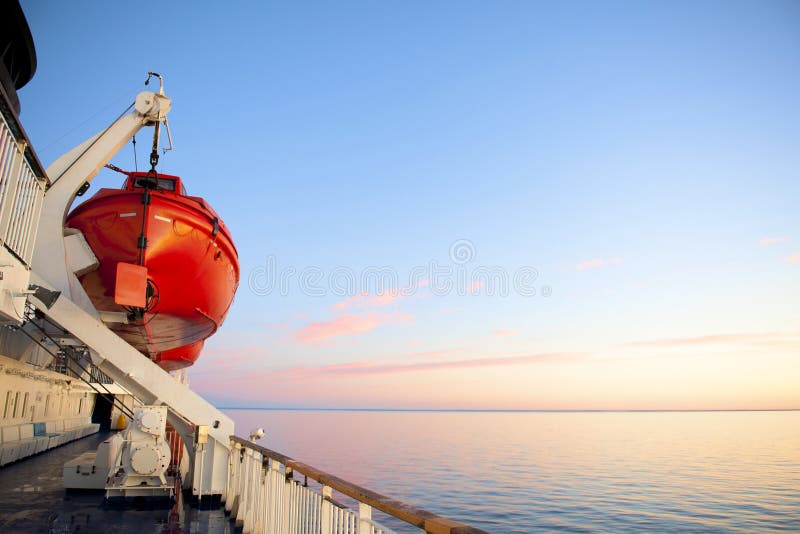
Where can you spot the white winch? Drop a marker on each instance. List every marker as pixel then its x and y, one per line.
pixel 144 457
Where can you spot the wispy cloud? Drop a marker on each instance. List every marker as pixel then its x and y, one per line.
pixel 505 332
pixel 794 258
pixel 435 354
pixel 350 301
pixel 231 361
pixel 597 263
pixel 358 368
pixel 226 352
pixel 347 325
pixel 365 300
pixel 756 338
pixel 771 241
pixel 225 358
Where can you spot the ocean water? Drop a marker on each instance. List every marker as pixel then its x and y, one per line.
pixel 510 472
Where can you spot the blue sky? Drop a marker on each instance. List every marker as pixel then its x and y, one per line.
pixel 642 156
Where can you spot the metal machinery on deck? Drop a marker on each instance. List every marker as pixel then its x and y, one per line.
pixel 141 469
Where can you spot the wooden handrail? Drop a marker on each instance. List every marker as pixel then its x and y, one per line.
pixel 430 522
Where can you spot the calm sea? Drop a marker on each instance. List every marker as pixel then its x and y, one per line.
pixel 577 471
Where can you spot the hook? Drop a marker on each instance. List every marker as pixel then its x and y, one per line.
pixel 160 81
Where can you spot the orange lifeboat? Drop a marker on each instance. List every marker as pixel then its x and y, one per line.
pixel 184 263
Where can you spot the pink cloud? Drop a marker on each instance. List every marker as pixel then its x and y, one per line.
pixel 597 263
pixel 757 338
pixel 475 286
pixel 365 300
pixel 226 352
pixel 505 332
pixel 382 300
pixel 794 258
pixel 347 325
pixel 771 241
pixel 224 358
pixel 231 361
pixel 434 354
pixel 346 303
pixel 449 311
pixel 360 368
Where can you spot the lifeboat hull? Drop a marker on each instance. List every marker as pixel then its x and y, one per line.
pixel 192 267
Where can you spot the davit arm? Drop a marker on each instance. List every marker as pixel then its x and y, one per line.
pixel 74 312
pixel 68 173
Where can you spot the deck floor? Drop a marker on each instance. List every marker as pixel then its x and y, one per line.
pixel 33 499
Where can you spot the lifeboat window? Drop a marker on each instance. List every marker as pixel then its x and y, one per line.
pixel 165 184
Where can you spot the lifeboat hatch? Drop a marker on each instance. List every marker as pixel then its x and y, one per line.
pixel 130 288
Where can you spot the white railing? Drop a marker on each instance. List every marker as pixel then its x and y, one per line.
pixel 21 196
pixel 263 496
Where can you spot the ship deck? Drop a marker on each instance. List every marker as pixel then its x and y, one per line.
pixel 33 499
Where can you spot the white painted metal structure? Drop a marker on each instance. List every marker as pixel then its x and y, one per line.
pixel 53 269
pixel 264 496
pixel 40 410
pixel 91 469
pixel 21 196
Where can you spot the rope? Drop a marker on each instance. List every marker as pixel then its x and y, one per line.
pixel 54 180
pixel 94 115
pixel 135 159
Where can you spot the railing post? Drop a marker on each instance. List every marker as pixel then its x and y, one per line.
pixel 272 522
pixel 234 468
pixel 16 227
pixel 244 493
pixel 227 491
pixel 27 254
pixel 278 491
pixel 11 191
pixel 253 476
pixel 241 483
pixel 262 496
pixel 326 515
pixel 364 518
pixel 286 509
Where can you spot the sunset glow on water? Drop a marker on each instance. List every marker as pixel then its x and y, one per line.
pixel 573 471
